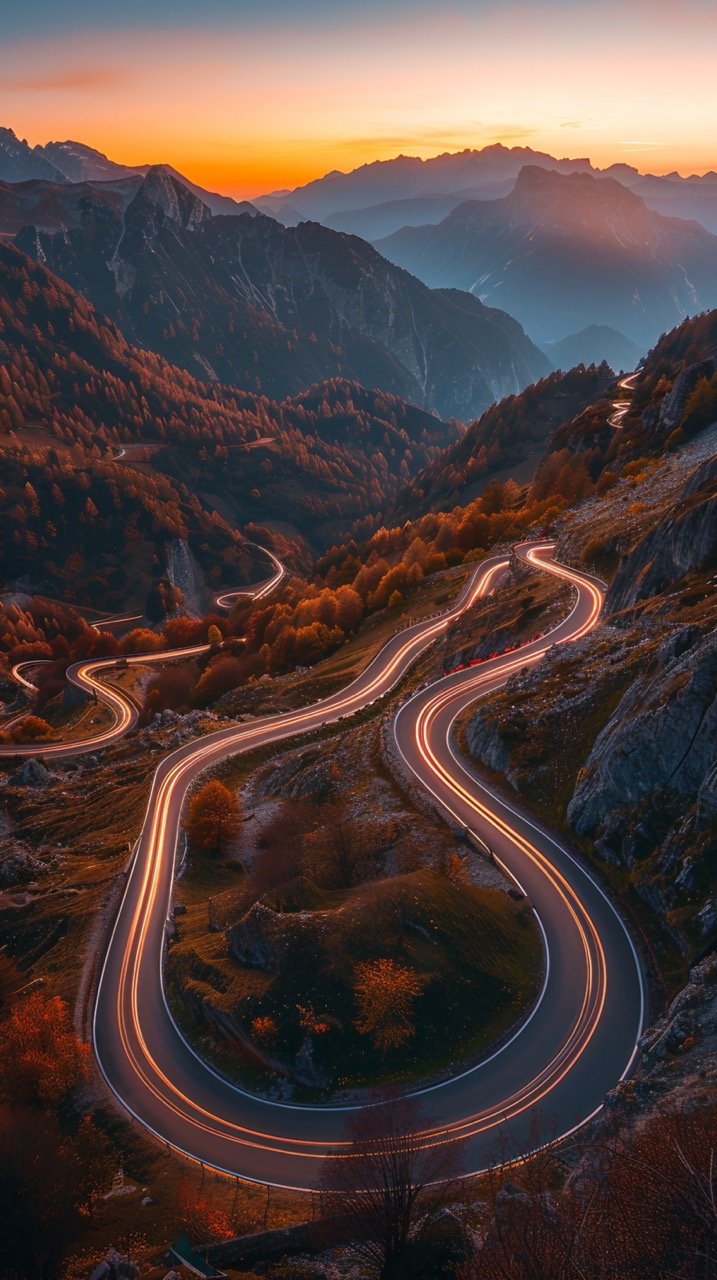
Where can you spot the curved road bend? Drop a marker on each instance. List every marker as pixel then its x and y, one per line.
pixel 553 1073
pixel 86 675
pixel 621 407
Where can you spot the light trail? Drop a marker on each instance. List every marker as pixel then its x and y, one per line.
pixel 559 1051
pixel 620 407
pixel 86 675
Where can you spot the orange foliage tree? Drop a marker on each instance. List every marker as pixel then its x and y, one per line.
pixel 385 992
pixel 214 818
pixel 41 1059
pixel 30 729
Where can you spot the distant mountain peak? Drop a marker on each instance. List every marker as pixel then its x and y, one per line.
pixel 161 190
pixel 19 162
pixel 569 199
pixel 82 163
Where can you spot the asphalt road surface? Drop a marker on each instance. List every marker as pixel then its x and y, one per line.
pixel 549 1077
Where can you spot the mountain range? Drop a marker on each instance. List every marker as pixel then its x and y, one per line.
pixel 564 251
pixel 592 263
pixel 74 162
pixel 386 195
pixel 244 300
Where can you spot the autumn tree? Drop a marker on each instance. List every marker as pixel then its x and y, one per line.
pixel 340 852
pixel 643 1207
pixel 41 1059
pixel 30 729
pixel 264 1030
pixel 385 992
pixel 163 598
pixel 214 818
pixel 171 688
pixel 389 1184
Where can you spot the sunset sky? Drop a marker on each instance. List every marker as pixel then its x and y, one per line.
pixel 247 97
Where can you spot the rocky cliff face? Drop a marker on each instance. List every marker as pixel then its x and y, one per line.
pixel 617 736
pixel 678 1060
pixel 682 544
pixel 647 794
pixel 661 738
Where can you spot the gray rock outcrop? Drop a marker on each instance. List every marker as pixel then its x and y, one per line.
pixel 661 737
pixel 255 939
pixel 31 774
pixel 115 1267
pixel 673 405
pixel 682 543
pixel 17 865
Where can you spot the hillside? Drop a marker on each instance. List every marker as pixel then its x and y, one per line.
pixel 244 300
pixel 507 440
pixel 56 205
pixel 562 252
pixel 615 739
pixel 89 530
pixel 333 454
pixel 675 397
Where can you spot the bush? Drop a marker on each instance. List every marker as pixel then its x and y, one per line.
pixel 41 1059
pixel 31 729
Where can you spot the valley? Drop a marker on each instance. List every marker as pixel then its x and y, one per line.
pixel 358 718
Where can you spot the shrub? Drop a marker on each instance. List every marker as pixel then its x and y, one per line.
pixel 384 993
pixel 30 729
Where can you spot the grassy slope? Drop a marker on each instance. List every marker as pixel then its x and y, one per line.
pixel 480 956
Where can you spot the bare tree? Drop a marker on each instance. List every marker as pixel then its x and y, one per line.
pixel 389 1183
pixel 641 1205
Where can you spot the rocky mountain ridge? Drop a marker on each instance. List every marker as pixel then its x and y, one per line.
pixel 564 251
pixel 244 300
pixel 379 198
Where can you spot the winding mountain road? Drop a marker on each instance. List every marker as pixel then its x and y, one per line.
pixel 87 676
pixel 620 407
pixel 545 1081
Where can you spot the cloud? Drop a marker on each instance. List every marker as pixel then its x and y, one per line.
pixel 640 146
pixel 78 79
pixel 450 137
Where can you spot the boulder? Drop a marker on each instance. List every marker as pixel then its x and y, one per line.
pixel 17 866
pixel 306 1071
pixel 115 1267
pixel 255 940
pixel 31 774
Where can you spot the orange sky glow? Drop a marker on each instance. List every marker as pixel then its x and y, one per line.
pixel 249 109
